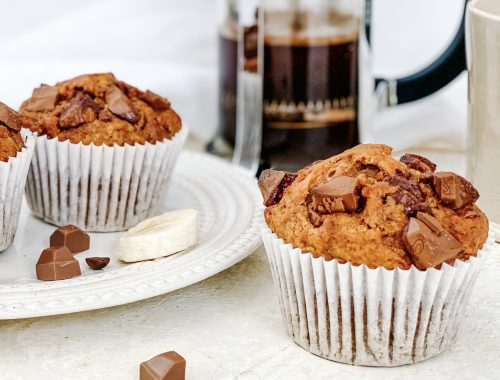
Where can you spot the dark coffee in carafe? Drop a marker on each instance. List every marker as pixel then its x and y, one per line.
pixel 310 86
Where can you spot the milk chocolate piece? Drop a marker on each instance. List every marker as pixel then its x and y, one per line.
pixel 71 237
pixel 10 118
pixel 422 164
pixel 453 190
pixel 408 195
pixel 81 109
pixel 155 101
pixel 120 104
pixel 97 263
pixel 44 98
pixel 167 366
pixel 430 221
pixel 272 184
pixel 314 218
pixel 428 243
pixel 340 194
pixel 57 263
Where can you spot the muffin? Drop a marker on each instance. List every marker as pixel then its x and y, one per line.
pixel 105 152
pixel 16 149
pixel 373 258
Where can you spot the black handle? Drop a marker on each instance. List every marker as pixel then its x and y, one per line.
pixel 434 77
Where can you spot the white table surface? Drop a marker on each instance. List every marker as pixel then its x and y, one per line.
pixel 228 326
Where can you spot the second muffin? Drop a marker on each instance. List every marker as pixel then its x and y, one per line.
pixel 105 151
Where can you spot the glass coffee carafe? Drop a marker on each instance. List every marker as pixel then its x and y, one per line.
pixel 295 80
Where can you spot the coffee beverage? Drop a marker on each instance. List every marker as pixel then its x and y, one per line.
pixel 310 82
pixel 228 67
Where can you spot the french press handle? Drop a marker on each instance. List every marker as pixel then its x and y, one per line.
pixel 430 79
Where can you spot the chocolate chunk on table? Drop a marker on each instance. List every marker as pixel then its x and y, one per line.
pixel 120 105
pixel 44 98
pixel 71 237
pixel 272 184
pixel 10 118
pixel 420 163
pixel 97 263
pixel 340 194
pixel 428 243
pixel 81 109
pixel 57 263
pixel 453 190
pixel 167 366
pixel 155 101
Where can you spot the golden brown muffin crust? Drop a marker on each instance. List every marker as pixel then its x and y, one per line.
pixel 372 235
pixel 11 141
pixel 86 110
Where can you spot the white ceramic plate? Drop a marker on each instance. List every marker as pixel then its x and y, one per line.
pixel 229 204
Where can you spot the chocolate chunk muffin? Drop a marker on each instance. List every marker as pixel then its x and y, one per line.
pixel 105 152
pixel 365 207
pixel 373 259
pixel 16 149
pixel 100 109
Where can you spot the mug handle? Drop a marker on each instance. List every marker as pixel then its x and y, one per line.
pixel 429 80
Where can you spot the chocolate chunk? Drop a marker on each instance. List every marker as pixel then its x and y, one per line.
pixel 155 101
pixel 430 221
pixel 272 184
pixel 166 366
pixel 71 237
pixel 453 190
pixel 314 218
pixel 340 194
pixel 44 98
pixel 422 164
pixel 97 263
pixel 408 195
pixel 10 118
pixel 57 263
pixel 428 243
pixel 81 109
pixel 120 105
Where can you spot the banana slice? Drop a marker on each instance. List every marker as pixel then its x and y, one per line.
pixel 160 236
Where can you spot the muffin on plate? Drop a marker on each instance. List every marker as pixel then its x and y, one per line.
pixel 105 152
pixel 16 149
pixel 373 258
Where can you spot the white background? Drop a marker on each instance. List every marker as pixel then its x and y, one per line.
pixel 169 46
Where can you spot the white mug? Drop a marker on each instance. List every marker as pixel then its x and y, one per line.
pixel 483 61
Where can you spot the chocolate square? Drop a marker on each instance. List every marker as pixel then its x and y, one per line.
pixel 167 366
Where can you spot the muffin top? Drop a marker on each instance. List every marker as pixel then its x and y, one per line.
pixel 365 207
pixel 99 109
pixel 11 141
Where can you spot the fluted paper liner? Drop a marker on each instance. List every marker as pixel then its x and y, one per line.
pixel 12 181
pixel 100 188
pixel 373 317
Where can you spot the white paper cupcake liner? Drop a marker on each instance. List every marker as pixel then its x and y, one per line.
pixel 12 181
pixel 100 188
pixel 373 317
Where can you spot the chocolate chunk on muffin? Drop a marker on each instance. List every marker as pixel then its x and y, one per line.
pixel 100 109
pixel 11 141
pixel 365 207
